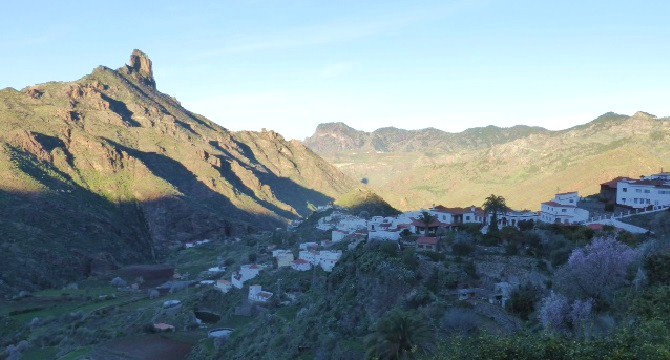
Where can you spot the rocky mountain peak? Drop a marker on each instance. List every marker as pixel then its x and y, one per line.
pixel 140 67
pixel 643 115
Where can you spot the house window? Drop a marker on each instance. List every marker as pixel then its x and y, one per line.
pixel 646 191
pixel 467 217
pixel 648 201
pixel 572 200
pixel 563 210
pixel 634 200
pixel 623 200
pixel 625 189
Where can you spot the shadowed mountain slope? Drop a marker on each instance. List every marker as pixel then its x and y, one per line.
pixel 126 170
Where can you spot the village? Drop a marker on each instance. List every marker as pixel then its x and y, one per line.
pixel 424 231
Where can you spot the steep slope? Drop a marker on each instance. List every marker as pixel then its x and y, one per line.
pixel 110 164
pixel 526 165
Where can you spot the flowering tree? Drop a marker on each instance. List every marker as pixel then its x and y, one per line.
pixel 554 312
pixel 580 316
pixel 558 315
pixel 597 270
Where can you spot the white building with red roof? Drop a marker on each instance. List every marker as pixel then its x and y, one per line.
pixel 223 285
pixel 301 265
pixel 256 294
pixel 246 272
pixel 562 209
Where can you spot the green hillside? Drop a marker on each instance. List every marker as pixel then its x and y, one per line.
pixel 527 169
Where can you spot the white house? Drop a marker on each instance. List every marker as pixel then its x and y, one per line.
pixel 246 272
pixel 324 258
pixel 284 257
pixel 458 216
pixel 310 245
pixel 301 265
pixel 312 256
pixel 351 223
pixel 328 259
pixel 392 234
pixel 337 235
pixel 562 209
pixel 649 192
pixel 512 218
pixel 256 294
pixel 223 285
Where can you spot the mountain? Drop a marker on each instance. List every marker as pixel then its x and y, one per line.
pixel 107 170
pixel 419 168
pixel 333 138
pixel 365 203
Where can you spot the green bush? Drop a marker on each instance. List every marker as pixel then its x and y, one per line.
pixel 511 249
pixel 409 259
pixel 433 255
pixel 462 248
pixel 560 256
pixel 658 269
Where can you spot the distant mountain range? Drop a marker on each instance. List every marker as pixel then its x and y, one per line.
pixel 108 169
pixel 418 168
pixel 332 138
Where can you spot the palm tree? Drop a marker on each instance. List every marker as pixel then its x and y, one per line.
pixel 427 219
pixel 493 205
pixel 400 335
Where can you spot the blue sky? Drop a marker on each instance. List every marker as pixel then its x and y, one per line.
pixel 289 65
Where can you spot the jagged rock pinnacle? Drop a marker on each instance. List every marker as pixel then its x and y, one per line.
pixel 140 64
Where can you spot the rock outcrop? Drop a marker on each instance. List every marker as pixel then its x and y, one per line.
pixel 140 68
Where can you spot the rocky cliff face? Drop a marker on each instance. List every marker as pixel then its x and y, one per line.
pixel 124 166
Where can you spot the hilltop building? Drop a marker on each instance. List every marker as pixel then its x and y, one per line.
pixel 651 191
pixel 562 209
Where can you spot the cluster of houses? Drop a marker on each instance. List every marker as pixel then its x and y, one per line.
pixel 309 256
pixel 237 280
pixel 562 209
pixel 647 192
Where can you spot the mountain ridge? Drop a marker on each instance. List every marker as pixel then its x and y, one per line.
pixel 525 164
pixel 117 149
pixel 496 135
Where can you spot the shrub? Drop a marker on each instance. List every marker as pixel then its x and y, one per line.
pixel 560 256
pixel 409 259
pixel 433 255
pixel 470 269
pixel 658 269
pixel 460 321
pixel 522 300
pixel 462 248
pixel 118 282
pixel 511 249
